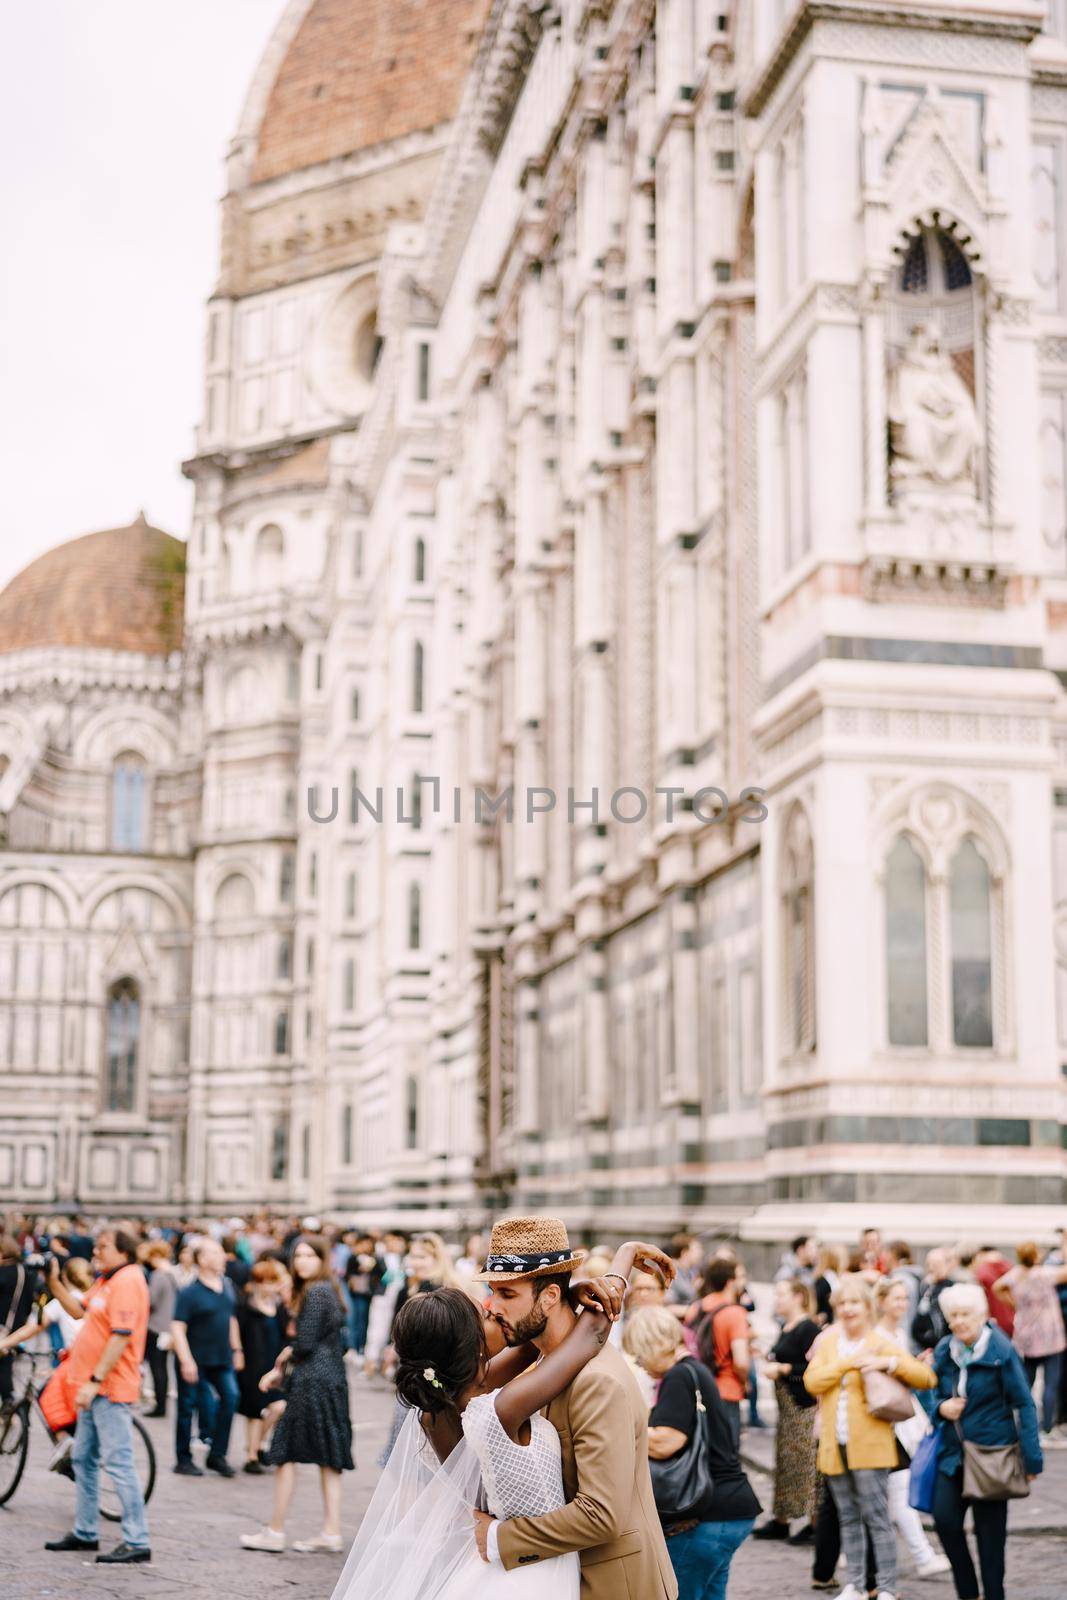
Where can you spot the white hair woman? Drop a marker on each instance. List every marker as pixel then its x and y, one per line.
pixel 702 1545
pixel 857 1451
pixel 981 1384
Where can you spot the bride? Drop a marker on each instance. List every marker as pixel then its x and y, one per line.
pixel 474 1437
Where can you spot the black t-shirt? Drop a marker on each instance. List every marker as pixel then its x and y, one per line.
pixel 238 1271
pixel 733 1499
pixel 792 1346
pixel 206 1314
pixel 9 1283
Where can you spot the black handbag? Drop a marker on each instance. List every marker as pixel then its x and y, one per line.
pixel 682 1482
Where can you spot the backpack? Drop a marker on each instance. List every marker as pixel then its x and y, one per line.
pixel 705 1342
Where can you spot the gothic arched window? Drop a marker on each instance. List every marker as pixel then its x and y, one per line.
pixel 351 896
pixel 348 985
pixel 420 560
pixel 123 1045
pixel 128 803
pixel 905 942
pixel 411 1114
pixel 414 917
pixel 418 660
pixel 971 944
pixel 798 930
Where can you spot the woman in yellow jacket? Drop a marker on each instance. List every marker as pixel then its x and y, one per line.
pixel 858 1451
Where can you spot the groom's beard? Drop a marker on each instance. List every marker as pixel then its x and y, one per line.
pixel 531 1326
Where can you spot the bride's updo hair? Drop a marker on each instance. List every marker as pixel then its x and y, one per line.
pixel 441 1333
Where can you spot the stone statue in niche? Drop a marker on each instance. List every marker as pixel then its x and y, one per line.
pixel 933 424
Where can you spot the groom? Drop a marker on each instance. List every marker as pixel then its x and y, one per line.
pixel 602 1421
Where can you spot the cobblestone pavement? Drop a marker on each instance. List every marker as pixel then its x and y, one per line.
pixel 196 1523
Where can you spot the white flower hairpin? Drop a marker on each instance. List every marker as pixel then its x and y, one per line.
pixel 431 1377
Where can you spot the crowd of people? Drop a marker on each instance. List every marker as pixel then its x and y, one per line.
pixel 268 1319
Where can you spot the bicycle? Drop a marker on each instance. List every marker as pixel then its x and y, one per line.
pixel 15 1442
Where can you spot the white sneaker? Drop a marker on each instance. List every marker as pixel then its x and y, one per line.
pixel 931 1568
pixel 1053 1441
pixel 322 1541
pixel 883 1594
pixel 265 1539
pixel 61 1453
pixel 850 1592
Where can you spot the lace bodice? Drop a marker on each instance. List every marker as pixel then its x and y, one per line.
pixel 519 1480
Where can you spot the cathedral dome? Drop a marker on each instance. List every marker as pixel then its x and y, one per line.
pixel 358 73
pixel 122 589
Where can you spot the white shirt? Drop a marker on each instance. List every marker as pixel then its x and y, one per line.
pixel 68 1326
pixel 845 1348
pixel 492 1544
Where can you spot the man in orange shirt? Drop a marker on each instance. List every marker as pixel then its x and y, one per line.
pixel 723 1335
pixel 105 1373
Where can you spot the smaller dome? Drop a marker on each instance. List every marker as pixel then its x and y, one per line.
pixel 122 589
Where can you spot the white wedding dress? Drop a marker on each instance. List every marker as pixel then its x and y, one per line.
pixel 416 1541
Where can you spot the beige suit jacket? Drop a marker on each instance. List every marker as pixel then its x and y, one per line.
pixel 610 1517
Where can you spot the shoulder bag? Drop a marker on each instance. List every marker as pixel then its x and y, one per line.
pixel 992 1471
pixel 887 1398
pixel 682 1482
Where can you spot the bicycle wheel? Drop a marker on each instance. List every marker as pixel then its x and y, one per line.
pixel 14 1448
pixel 144 1460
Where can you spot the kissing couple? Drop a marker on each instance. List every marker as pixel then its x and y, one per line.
pixel 521 1470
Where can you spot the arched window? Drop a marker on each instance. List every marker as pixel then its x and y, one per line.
pixel 128 804
pixel 798 929
pixel 417 676
pixel 905 941
pixel 279 1149
pixel 971 944
pixel 411 1114
pixel 269 569
pixel 414 917
pixel 286 874
pixel 348 985
pixel 285 958
pixel 347 1120
pixel 353 795
pixel 353 706
pixel 281 1033
pixel 309 958
pixel 123 1045
pixel 416 802
pixel 420 560
pixel 351 896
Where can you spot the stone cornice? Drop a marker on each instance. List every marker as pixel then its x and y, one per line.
pixel 988 17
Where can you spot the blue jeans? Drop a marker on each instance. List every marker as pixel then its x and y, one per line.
pixel 357 1321
pixel 194 1397
pixel 701 1558
pixel 105 1433
pixel 1050 1399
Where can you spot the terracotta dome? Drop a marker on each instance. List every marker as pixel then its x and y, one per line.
pixel 122 589
pixel 362 72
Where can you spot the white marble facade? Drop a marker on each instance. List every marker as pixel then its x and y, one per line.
pixel 689 414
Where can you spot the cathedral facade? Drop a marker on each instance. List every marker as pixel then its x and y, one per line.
pixel 605 747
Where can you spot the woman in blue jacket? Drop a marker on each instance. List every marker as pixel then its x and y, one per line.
pixel 981 1384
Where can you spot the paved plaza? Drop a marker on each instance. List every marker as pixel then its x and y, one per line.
pixel 196 1524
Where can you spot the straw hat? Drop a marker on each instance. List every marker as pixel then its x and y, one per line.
pixel 528 1247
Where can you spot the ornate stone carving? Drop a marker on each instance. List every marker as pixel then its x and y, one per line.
pixel 934 432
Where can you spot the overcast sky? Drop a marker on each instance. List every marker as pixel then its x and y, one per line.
pixel 114 121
